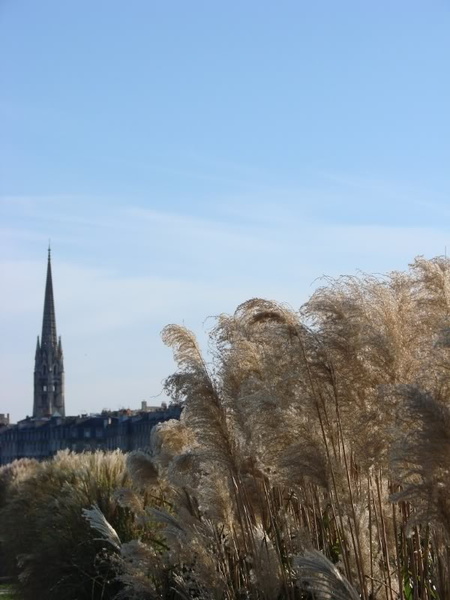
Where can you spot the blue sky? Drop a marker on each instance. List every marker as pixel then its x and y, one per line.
pixel 186 156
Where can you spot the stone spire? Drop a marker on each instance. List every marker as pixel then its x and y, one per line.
pixel 49 366
pixel 49 321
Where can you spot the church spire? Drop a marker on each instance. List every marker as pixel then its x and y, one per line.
pixel 49 365
pixel 49 337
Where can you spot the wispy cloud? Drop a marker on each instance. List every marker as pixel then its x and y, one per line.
pixel 120 276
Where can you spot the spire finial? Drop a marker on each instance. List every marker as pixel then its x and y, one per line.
pixel 49 249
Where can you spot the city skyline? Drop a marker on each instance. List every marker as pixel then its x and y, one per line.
pixel 183 159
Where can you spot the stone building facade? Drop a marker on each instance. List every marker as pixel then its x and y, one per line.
pixel 43 438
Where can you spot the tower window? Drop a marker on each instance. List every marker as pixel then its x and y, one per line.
pixel 44 388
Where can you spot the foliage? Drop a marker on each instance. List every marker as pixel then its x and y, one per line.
pixel 49 546
pixel 7 592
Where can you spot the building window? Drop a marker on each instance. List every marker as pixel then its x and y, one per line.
pixel 44 388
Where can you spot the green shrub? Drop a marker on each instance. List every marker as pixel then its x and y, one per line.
pixel 7 592
pixel 48 544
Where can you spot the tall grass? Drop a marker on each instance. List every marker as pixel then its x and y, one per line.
pixel 311 462
pixel 311 459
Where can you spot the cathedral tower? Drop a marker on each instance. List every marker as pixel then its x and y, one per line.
pixel 49 366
